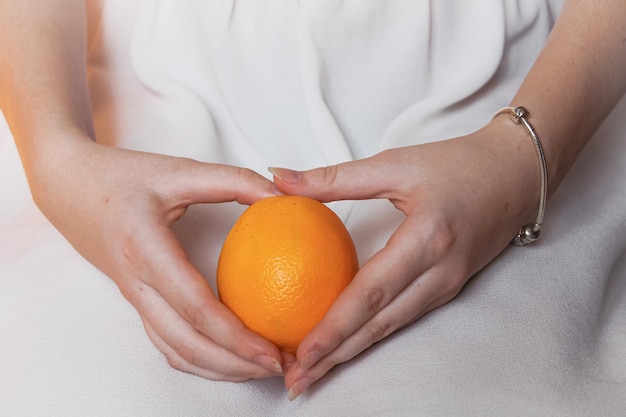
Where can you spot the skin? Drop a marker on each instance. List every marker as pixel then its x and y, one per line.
pixel 568 95
pixel 130 199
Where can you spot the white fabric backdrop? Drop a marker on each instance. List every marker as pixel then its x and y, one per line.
pixel 540 331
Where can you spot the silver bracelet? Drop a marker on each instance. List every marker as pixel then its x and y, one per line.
pixel 530 232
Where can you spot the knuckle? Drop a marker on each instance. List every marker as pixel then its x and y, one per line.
pixel 330 363
pixel 452 285
pixel 377 331
pixel 450 289
pixel 195 315
pixel 438 235
pixel 329 175
pixel 245 176
pixel 373 299
pixel 442 239
pixel 171 170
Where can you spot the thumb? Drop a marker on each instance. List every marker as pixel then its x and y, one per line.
pixel 199 182
pixel 355 180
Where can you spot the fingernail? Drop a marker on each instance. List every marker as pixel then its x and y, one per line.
pixel 269 363
pixel 309 359
pixel 298 388
pixel 285 175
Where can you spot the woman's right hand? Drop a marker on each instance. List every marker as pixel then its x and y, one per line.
pixel 116 207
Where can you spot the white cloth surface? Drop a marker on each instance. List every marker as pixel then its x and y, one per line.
pixel 540 331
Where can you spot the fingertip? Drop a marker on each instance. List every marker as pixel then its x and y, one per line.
pixel 288 176
pixel 260 351
pixel 253 187
pixel 270 363
pixel 293 374
pixel 298 388
pixel 288 360
pixel 234 336
pixel 345 181
pixel 267 356
pixel 304 183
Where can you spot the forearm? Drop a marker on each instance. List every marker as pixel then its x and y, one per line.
pixel 43 84
pixel 577 79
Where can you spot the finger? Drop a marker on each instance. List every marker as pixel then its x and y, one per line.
pixel 353 180
pixel 431 290
pixel 288 360
pixel 198 182
pixel 185 290
pixel 176 361
pixel 187 350
pixel 378 282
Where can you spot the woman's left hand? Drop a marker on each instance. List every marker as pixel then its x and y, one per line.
pixel 464 199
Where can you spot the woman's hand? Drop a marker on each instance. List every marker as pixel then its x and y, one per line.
pixel 116 207
pixel 464 199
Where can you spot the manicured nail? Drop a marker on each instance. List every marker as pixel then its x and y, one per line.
pixel 285 175
pixel 269 363
pixel 310 359
pixel 298 388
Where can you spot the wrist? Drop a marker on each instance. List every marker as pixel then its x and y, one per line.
pixel 48 158
pixel 530 232
pixel 516 166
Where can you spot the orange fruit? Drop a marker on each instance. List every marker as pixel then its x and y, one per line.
pixel 282 265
